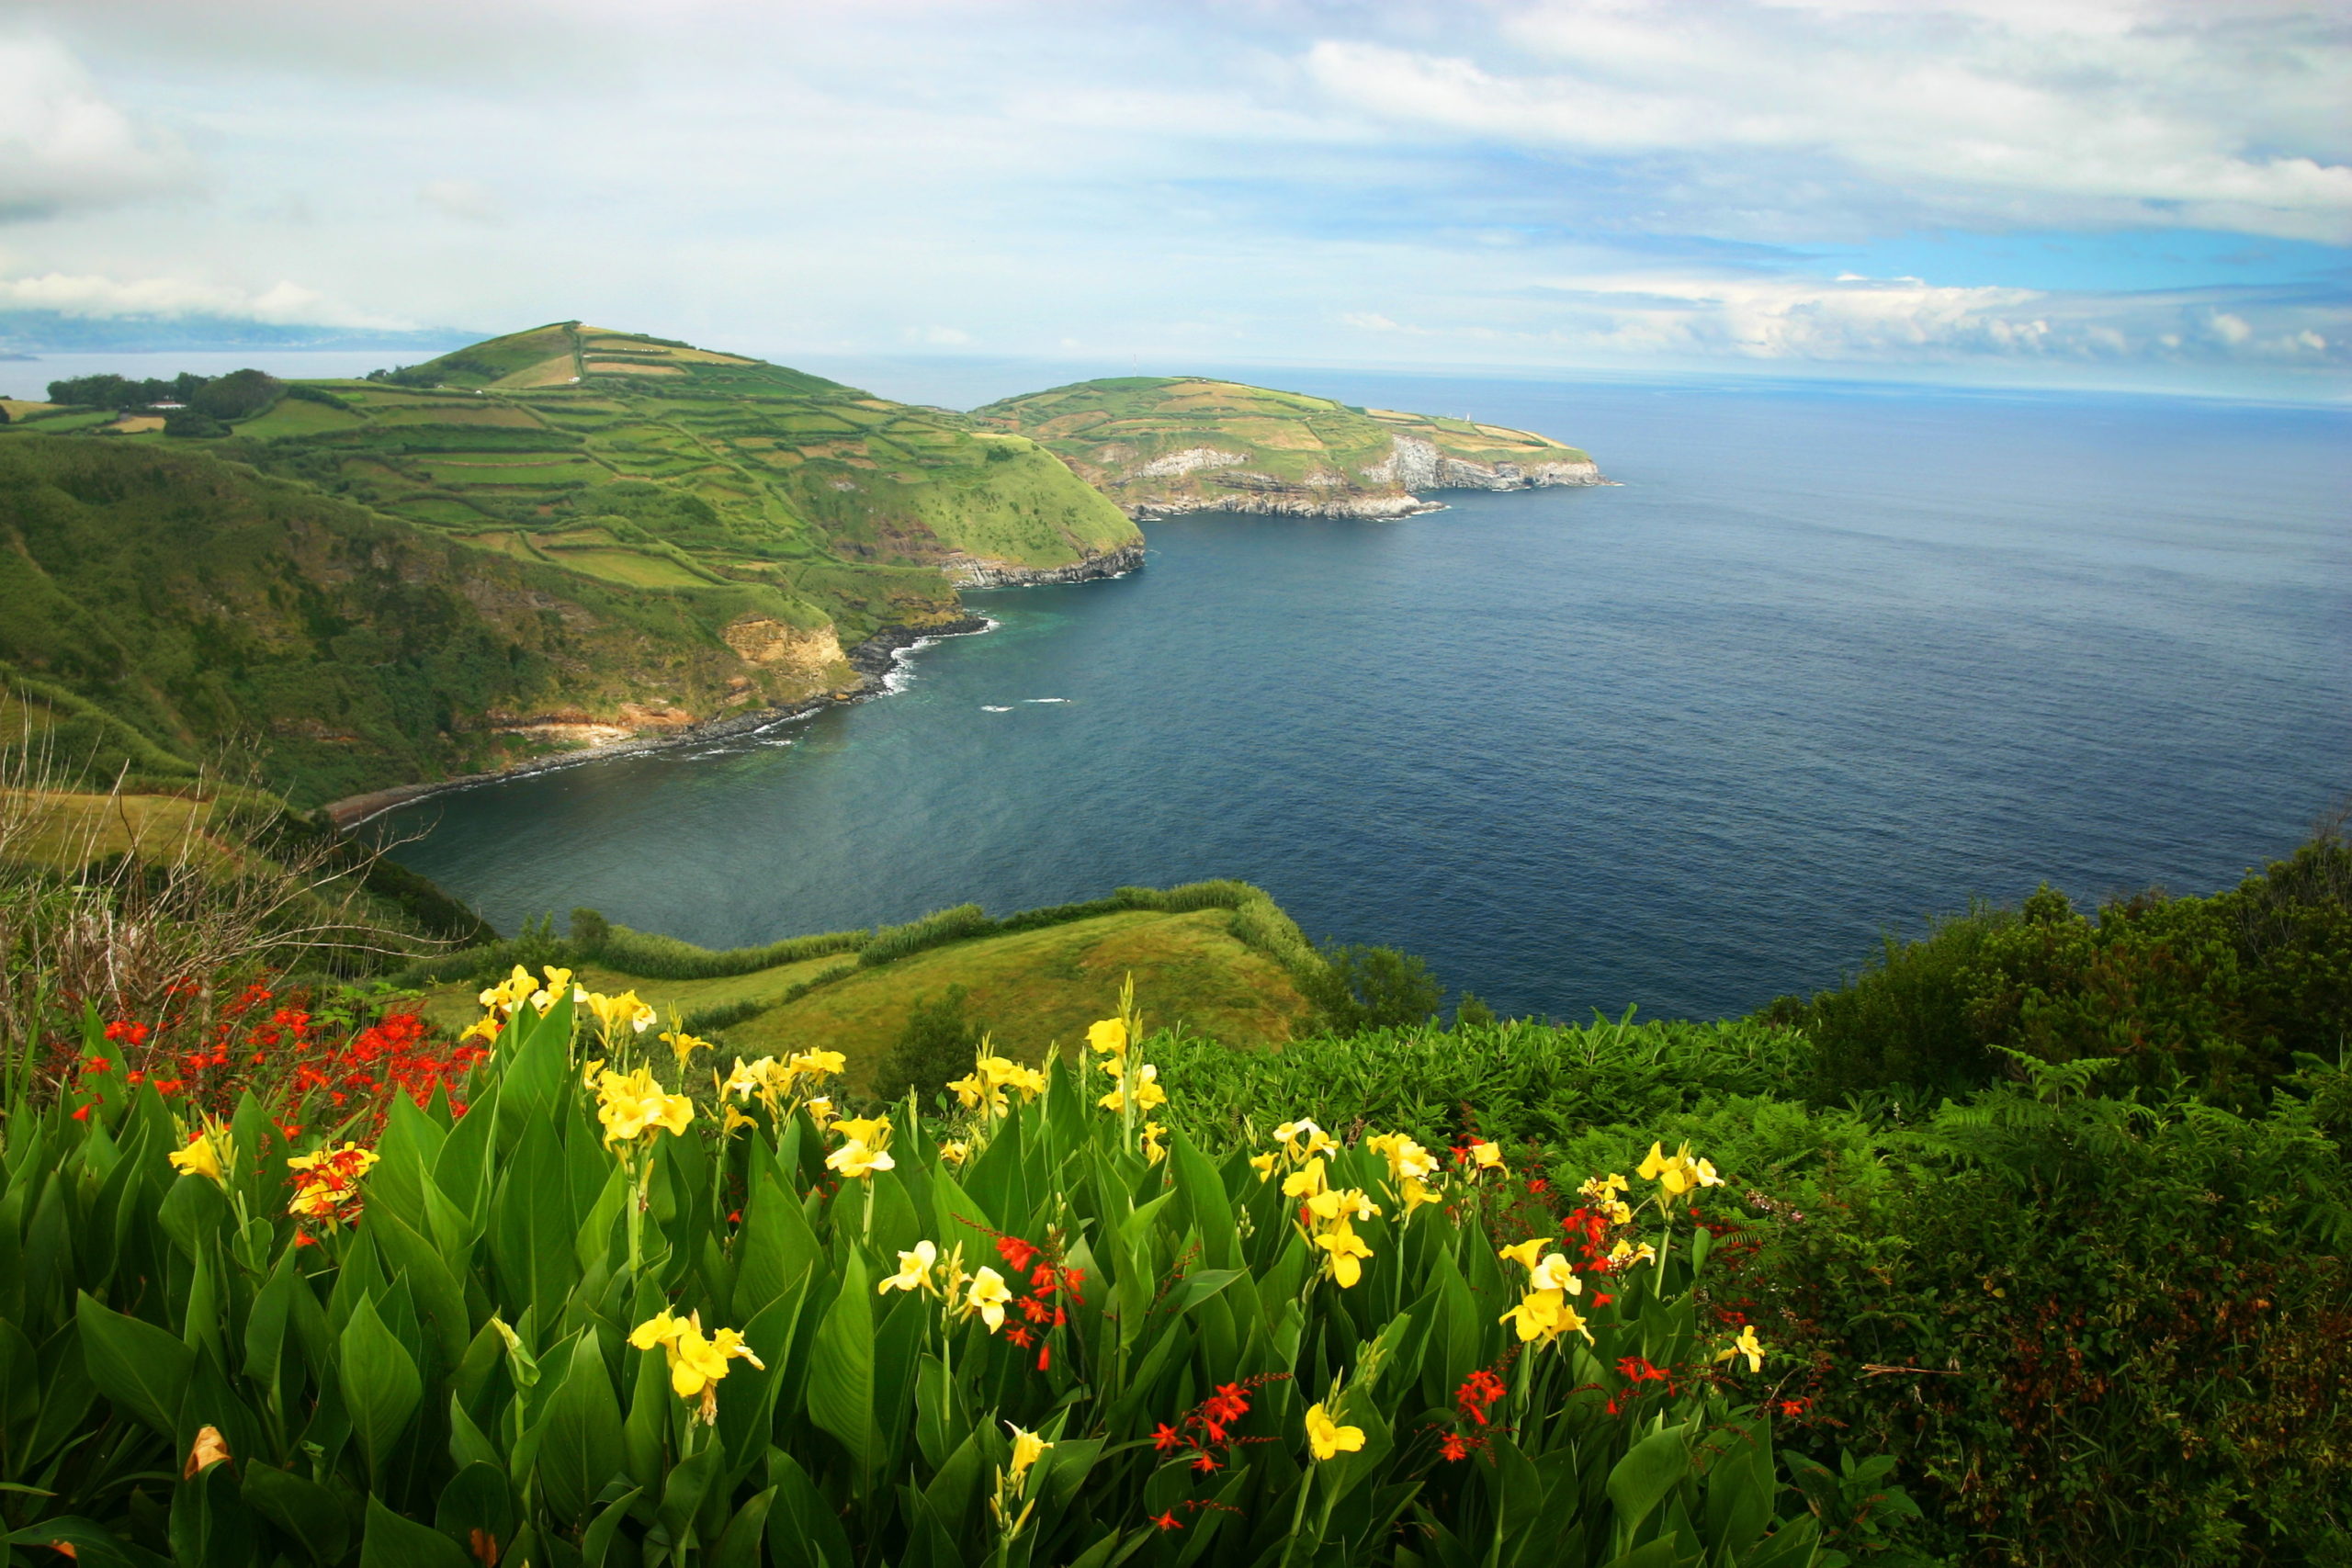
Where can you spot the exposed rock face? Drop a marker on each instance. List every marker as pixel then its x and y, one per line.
pixel 971 571
pixel 1382 489
pixel 1415 464
pixel 774 645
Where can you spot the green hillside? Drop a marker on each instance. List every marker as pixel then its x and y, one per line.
pixel 555 538
pixel 1161 444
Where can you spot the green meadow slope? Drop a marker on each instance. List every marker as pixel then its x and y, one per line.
pixel 561 537
pixel 1159 445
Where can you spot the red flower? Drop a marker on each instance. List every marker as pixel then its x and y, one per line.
pixel 1477 1394
pixel 1016 1252
pixel 1205 1462
pixel 1169 1521
pixel 1453 1448
pixel 1017 1335
pixel 1166 1437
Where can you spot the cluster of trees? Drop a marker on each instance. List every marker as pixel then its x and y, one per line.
pixel 208 402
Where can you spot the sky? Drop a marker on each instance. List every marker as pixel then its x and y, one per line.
pixel 2146 194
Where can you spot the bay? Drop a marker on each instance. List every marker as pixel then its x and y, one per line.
pixel 1829 660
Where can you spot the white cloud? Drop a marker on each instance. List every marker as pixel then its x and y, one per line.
pixel 461 200
pixel 91 296
pixel 62 145
pixel 1987 113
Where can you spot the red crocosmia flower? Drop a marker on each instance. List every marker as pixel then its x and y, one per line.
pixel 1019 1336
pixel 1165 1437
pixel 84 1114
pixel 1205 1462
pixel 1601 1298
pixel 1045 1355
pixel 1016 1252
pixel 1477 1394
pixel 1453 1448
pixel 1169 1521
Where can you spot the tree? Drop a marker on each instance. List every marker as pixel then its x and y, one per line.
pixel 235 395
pixel 938 1043
pixel 1363 988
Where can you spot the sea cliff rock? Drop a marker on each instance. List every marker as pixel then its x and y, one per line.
pixel 971 571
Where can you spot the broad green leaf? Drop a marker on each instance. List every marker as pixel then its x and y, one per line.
pixel 380 1383
pixel 739 1547
pixel 1650 1470
pixel 135 1364
pixel 395 1542
pixel 301 1508
pixel 580 1445
pixel 840 1372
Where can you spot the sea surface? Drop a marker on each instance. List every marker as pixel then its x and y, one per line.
pixel 1826 662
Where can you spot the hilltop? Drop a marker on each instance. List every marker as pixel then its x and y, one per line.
pixel 561 537
pixel 1159 445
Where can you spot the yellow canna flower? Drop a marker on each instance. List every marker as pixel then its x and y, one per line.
pixel 1153 1149
pixel 209 1154
pixel 1625 1254
pixel 1264 1165
pixel 733 1119
pixel 588 1071
pixel 1602 1189
pixel 1677 1173
pixel 632 1106
pixel 558 979
pixel 820 1110
pixel 660 1329
pixel 1747 1345
pixel 1554 1274
pixel 749 1077
pixel 914 1270
pixel 1108 1036
pixel 483 1027
pixel 819 1064
pixel 987 1297
pixel 972 1091
pixel 1544 1316
pixel 864 1129
pixel 1347 1252
pixel 1525 1253
pixel 1333 1202
pixel 1027 1449
pixel 696 1364
pixel 1305 1182
pixel 1417 1193
pixel 683 1045
pixel 1326 1439
pixel 627 1011
pixel 956 1152
pixel 1486 1157
pixel 859 1160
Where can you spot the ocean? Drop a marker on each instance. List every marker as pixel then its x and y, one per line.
pixel 1827 662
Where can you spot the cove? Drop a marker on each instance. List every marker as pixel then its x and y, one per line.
pixel 1829 660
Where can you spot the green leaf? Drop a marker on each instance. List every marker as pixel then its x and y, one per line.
pixel 1206 1206
pixel 596 1541
pixel 579 1437
pixel 381 1384
pixel 92 1544
pixel 1651 1469
pixel 803 1529
pixel 143 1369
pixel 840 1372
pixel 301 1508
pixel 395 1542
pixel 739 1547
pixel 477 1499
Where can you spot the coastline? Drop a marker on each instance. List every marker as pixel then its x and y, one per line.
pixel 875 660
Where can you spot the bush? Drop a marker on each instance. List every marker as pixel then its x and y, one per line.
pixel 1358 988
pixel 237 395
pixel 937 1045
pixel 2220 993
pixel 190 424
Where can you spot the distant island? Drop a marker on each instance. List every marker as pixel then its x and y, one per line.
pixel 1159 445
pixel 573 539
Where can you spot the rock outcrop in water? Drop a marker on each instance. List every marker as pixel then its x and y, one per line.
pixel 1160 447
pixel 970 572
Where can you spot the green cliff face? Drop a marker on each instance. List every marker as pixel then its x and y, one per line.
pixel 561 537
pixel 1164 445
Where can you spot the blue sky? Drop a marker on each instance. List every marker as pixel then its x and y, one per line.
pixel 2124 192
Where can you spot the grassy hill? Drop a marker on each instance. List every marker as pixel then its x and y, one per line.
pixel 1162 444
pixel 1215 959
pixel 557 537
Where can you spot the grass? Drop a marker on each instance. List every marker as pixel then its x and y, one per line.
pixel 66 828
pixel 630 567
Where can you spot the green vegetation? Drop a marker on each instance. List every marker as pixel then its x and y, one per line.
pixel 1159 444
pixel 553 538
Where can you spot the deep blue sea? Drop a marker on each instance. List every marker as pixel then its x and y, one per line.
pixel 1827 662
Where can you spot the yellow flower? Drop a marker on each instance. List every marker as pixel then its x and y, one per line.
pixel 987 1297
pixel 1347 1253
pixel 956 1152
pixel 1335 1202
pixel 1602 1189
pixel 1305 1182
pixel 1027 1449
pixel 1525 1253
pixel 1677 1173
pixel 1326 1439
pixel 1747 1345
pixel 631 1106
pixel 557 980
pixel 588 1071
pixel 820 1110
pixel 864 1129
pixel 625 1010
pixel 1305 1139
pixel 510 990
pixel 1544 1316
pixel 483 1027
pixel 1264 1165
pixel 683 1045
pixel 914 1270
pixel 1145 1083
pixel 660 1329
pixel 209 1153
pixel 749 1077
pixel 1625 1254
pixel 859 1160
pixel 1408 1161
pixel 1417 1193
pixel 819 1064
pixel 696 1364
pixel 1487 1156
pixel 1153 1149
pixel 1554 1274
pixel 1109 1036
pixel 972 1091
pixel 733 1119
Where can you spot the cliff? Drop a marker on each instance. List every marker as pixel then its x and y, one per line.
pixel 1160 445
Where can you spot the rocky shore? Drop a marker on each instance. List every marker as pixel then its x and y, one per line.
pixel 872 659
pixel 1410 466
pixel 967 571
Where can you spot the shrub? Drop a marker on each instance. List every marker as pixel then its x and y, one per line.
pixel 937 1045
pixel 1358 987
pixel 237 395
pixel 192 424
